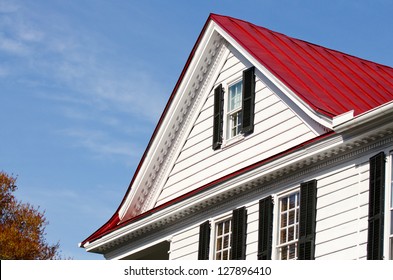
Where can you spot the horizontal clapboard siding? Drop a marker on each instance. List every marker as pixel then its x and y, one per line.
pixel 341 223
pixel 184 245
pixel 252 231
pixel 276 129
pixel 341 231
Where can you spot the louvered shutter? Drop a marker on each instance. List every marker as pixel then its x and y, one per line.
pixel 239 233
pixel 204 241
pixel 376 207
pixel 307 220
pixel 248 100
pixel 265 229
pixel 218 117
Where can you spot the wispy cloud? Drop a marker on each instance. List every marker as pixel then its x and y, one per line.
pixel 100 143
pixel 71 67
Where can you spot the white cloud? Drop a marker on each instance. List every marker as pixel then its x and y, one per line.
pixel 8 6
pixel 99 143
pixel 70 67
pixel 13 46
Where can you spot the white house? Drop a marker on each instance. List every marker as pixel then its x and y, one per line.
pixel 269 147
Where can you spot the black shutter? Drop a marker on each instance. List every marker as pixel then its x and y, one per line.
pixel 239 233
pixel 204 241
pixel 376 207
pixel 307 220
pixel 218 117
pixel 265 229
pixel 248 100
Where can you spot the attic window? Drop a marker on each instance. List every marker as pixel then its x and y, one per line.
pixel 234 114
pixel 239 111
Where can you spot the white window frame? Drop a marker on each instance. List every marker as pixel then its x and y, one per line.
pixel 213 244
pixel 276 254
pixel 227 138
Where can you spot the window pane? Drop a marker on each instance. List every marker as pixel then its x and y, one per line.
pixel 292 201
pixel 284 253
pixel 291 217
pixel 284 220
pixel 235 96
pixel 291 233
pixel 283 236
pixel 227 226
pixel 226 242
pixel 292 251
pixel 219 229
pixel 225 255
pixel 219 243
pixel 218 256
pixel 284 204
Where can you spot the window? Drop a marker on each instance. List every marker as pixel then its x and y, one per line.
pixel 234 112
pixel 238 115
pixel 294 226
pixel 288 226
pixel 223 240
pixel 229 237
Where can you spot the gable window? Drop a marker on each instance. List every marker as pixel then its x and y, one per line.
pixel 288 226
pixel 234 115
pixel 238 114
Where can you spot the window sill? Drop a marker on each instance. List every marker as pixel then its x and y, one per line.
pixel 234 140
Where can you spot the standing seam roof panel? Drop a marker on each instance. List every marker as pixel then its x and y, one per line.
pixel 329 81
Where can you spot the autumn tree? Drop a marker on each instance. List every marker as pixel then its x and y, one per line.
pixel 22 227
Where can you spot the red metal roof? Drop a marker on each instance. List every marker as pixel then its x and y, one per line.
pixel 331 82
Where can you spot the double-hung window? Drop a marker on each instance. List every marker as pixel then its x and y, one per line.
pixel 237 117
pixel 288 226
pixel 223 235
pixel 228 235
pixel 295 221
pixel 234 112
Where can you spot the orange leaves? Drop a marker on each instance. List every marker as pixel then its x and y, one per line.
pixel 22 227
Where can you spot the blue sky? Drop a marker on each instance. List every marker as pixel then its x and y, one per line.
pixel 83 83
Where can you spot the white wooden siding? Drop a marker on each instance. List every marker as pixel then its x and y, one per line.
pixel 342 213
pixel 277 128
pixel 184 245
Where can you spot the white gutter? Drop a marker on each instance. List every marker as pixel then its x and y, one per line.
pixel 375 113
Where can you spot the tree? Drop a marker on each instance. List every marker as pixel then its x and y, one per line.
pixel 22 227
